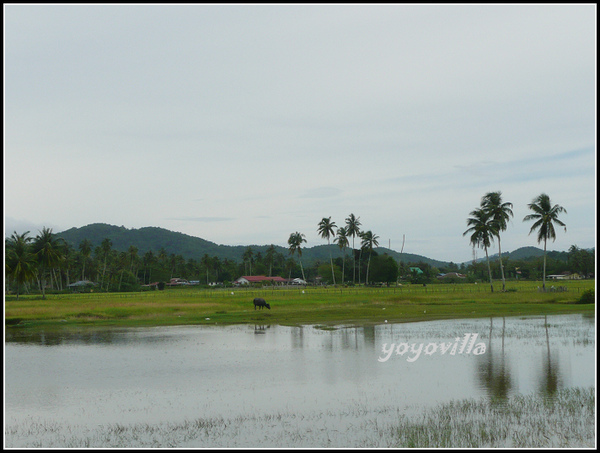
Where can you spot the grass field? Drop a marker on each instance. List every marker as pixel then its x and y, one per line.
pixel 294 306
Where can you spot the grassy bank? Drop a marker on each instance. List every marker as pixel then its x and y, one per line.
pixel 180 306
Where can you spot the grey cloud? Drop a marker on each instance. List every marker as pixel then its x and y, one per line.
pixel 322 192
pixel 202 219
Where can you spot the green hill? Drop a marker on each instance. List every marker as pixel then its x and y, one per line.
pixel 153 238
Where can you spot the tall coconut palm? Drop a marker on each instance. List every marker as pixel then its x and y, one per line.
pixel 248 256
pixel 270 258
pixel 133 257
pixel 483 230
pixel 342 242
pixel 545 216
pixel 206 262
pixel 148 260
pixel 49 253
pixel 353 230
pixel 105 246
pixel 295 241
pixel 369 241
pixel 501 214
pixel 20 261
pixel 325 230
pixel 85 247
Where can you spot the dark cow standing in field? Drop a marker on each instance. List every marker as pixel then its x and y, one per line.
pixel 260 302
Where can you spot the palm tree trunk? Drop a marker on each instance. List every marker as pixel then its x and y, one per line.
pixel 43 284
pixel 331 261
pixel 343 266
pixel 544 275
pixel 489 269
pixel 103 272
pixel 302 269
pixel 501 266
pixel 353 263
pixel 359 263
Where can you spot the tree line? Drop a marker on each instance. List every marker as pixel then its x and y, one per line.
pixel 47 262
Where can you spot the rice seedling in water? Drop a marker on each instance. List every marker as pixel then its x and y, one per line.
pixel 566 420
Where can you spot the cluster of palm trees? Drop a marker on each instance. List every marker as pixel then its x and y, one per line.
pixel 491 218
pixel 29 258
pixel 327 230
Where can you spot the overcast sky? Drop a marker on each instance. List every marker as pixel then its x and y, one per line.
pixel 241 124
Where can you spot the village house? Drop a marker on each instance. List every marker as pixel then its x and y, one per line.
pixel 451 275
pixel 258 279
pixel 566 275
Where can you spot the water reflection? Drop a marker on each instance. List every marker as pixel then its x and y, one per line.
pixel 493 370
pixel 262 329
pixel 192 371
pixel 550 376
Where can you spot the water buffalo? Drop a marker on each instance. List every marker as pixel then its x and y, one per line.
pixel 260 302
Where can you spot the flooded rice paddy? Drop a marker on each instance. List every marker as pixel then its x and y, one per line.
pixel 499 382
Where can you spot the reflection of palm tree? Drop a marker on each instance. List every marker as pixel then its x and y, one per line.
pixel 550 372
pixel 495 376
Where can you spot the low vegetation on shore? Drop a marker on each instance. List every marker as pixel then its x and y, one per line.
pixel 295 306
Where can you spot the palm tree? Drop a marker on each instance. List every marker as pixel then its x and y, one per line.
pixel 501 214
pixel 20 261
pixel 545 215
pixel 148 260
pixel 295 241
pixel 369 241
pixel 163 257
pixel 206 262
pixel 133 256
pixel 105 246
pixel 483 230
pixel 325 230
pixel 270 258
pixel 85 247
pixel 342 241
pixel 352 229
pixel 248 256
pixel 49 253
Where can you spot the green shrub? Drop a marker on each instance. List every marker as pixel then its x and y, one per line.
pixel 588 297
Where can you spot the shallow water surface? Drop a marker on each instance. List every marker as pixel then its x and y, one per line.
pixel 177 374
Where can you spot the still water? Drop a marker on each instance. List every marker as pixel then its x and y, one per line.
pixel 176 374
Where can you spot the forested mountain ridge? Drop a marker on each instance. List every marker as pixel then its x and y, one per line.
pixel 155 238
